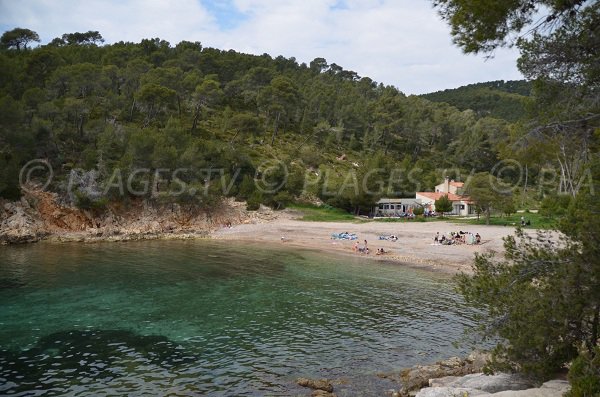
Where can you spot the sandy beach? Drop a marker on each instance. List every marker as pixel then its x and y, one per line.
pixel 415 246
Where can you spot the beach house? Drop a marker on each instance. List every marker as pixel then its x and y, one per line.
pixel 400 207
pixel 461 204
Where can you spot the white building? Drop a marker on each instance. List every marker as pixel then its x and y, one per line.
pixel 396 207
pixel 461 204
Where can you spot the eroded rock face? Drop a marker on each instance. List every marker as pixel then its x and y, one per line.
pixel 18 226
pixel 41 214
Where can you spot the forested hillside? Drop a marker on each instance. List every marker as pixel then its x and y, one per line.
pixel 501 99
pixel 216 122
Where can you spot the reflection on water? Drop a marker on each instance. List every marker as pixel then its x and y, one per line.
pixel 209 318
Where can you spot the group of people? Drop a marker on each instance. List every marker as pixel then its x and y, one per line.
pixel 459 237
pixel 365 249
pixel 361 250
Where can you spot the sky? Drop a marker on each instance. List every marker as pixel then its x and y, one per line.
pixel 403 43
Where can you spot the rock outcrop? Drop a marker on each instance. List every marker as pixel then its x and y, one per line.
pixel 486 383
pixel 40 215
pixel 500 385
pixel 18 225
pixel 417 377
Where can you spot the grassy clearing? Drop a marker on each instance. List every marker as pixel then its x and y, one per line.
pixel 312 213
pixel 325 213
pixel 537 221
pixel 408 220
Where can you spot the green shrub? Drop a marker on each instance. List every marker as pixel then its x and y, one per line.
pixel 282 199
pixel 555 205
pixel 84 202
pixel 254 201
pixel 418 211
pixel 247 187
pixel 584 375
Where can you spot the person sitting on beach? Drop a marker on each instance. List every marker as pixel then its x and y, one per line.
pixel 394 238
pixel 477 239
pixel 381 251
pixel 355 246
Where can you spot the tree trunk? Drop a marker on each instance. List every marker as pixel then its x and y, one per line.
pixel 591 342
pixel 235 136
pixel 304 142
pixel 131 110
pixel 525 187
pixel 275 127
pixel 196 117
pixel 487 216
pixel 80 125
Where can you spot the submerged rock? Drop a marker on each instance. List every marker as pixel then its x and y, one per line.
pixel 317 384
pixel 322 393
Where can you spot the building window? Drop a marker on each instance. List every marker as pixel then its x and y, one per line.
pixel 386 207
pixel 462 206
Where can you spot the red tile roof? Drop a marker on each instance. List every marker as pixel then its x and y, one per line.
pixel 438 195
pixel 457 184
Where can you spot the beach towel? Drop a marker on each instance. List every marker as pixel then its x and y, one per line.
pixel 344 236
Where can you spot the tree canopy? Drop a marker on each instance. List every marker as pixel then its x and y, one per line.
pixel 82 104
pixel 482 26
pixel 18 38
pixel 543 298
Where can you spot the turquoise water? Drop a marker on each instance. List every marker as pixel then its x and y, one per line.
pixel 212 318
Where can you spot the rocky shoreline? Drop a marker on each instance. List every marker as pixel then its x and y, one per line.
pixel 40 215
pixel 448 378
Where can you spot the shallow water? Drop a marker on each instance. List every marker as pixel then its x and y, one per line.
pixel 212 318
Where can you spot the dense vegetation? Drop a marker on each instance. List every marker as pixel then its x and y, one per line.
pixel 224 116
pixel 505 100
pixel 271 130
pixel 543 298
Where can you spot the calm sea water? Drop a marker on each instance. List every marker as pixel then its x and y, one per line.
pixel 212 318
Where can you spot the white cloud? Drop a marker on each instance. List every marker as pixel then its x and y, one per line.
pixel 398 42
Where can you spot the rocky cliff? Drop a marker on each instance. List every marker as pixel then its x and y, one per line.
pixel 40 215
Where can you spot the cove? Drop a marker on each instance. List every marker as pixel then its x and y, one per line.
pixel 213 318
